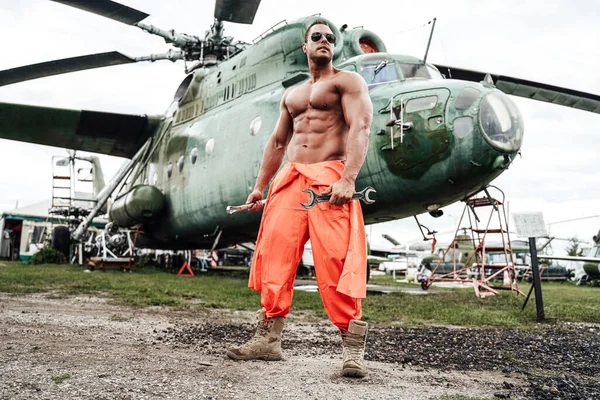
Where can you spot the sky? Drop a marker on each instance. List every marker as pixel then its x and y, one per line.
pixel 549 41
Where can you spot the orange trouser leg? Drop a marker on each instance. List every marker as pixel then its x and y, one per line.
pixel 329 228
pixel 284 235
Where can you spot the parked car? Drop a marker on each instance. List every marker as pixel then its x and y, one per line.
pixel 400 262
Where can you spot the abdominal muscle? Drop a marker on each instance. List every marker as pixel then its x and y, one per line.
pixel 318 136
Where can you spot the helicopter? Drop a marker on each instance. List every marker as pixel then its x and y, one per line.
pixel 415 166
pixel 590 263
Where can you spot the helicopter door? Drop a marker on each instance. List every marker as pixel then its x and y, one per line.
pixel 420 133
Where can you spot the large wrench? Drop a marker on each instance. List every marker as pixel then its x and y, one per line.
pixel 243 207
pixel 318 198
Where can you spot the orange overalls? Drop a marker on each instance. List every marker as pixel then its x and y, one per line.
pixel 337 236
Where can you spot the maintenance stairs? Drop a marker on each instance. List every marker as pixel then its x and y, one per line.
pixel 62 190
pixel 65 177
pixel 486 257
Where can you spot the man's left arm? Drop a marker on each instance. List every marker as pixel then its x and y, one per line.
pixel 358 113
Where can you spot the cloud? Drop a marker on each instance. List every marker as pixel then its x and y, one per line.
pixel 549 41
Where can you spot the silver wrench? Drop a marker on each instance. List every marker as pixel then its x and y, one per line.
pixel 243 207
pixel 315 198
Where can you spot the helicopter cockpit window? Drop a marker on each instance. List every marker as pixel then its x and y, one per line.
pixel 419 71
pixel 376 74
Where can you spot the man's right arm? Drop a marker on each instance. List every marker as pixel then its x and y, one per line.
pixel 274 152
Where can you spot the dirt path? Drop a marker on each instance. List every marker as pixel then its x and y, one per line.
pixel 83 348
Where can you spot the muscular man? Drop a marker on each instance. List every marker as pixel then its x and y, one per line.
pixel 324 131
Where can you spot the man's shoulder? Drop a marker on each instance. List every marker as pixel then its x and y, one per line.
pixel 348 75
pixel 348 79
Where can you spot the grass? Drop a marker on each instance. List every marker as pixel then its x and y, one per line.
pixel 149 287
pixel 58 379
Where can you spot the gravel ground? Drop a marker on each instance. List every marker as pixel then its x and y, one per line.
pixel 84 348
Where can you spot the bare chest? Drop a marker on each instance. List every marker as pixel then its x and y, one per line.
pixel 317 96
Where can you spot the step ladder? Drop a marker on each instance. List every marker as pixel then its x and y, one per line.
pixel 62 190
pixel 486 236
pixel 491 237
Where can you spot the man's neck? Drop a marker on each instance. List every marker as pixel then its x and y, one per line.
pixel 320 71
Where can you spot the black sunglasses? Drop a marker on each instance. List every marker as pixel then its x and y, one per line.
pixel 316 36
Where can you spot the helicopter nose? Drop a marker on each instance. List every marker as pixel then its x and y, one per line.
pixel 498 119
pixel 501 122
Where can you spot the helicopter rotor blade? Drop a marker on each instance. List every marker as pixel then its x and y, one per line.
pixel 239 11
pixel 63 66
pixel 107 8
pixel 529 89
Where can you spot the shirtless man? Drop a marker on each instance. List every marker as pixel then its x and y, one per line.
pixel 323 129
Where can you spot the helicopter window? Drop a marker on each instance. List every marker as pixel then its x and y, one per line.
pixel 194 155
pixel 183 87
pixel 210 146
pixel 180 163
pixel 255 126
pixel 376 75
pixel 466 98
pixel 434 73
pixel 421 104
pixel 463 126
pixel 419 71
pixel 169 170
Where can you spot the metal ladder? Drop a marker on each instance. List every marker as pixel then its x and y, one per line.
pixel 62 190
pixel 491 236
pixel 483 275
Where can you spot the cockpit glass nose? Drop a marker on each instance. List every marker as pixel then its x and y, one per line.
pixel 501 122
pixel 378 74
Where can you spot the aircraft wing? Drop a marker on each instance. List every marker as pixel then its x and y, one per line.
pixel 118 135
pixel 570 258
pixel 529 89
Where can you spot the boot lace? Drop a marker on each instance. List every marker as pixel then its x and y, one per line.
pixel 262 330
pixel 353 345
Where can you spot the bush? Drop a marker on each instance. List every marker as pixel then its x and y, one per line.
pixel 48 255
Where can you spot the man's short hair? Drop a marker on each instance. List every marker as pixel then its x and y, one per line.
pixel 317 22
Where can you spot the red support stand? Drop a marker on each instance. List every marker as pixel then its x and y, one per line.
pixel 185 270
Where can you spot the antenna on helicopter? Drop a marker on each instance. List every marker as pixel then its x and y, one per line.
pixel 429 232
pixel 429 42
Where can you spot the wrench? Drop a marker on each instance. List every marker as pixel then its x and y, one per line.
pixel 243 207
pixel 315 198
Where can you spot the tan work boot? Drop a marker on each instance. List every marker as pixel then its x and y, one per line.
pixel 266 343
pixel 353 342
